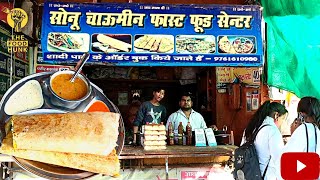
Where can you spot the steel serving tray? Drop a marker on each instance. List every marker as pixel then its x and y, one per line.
pixel 47 170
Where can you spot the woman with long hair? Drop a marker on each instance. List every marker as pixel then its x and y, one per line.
pixel 305 129
pixel 305 133
pixel 268 141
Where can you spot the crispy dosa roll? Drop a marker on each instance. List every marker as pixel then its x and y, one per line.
pixel 90 133
pixel 115 43
pixel 108 165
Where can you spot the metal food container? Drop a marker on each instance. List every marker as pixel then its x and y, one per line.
pixel 70 104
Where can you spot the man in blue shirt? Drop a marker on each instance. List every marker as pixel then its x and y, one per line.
pixel 150 111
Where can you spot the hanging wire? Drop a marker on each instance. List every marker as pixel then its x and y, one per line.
pixel 11 53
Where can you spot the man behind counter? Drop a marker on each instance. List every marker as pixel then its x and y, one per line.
pixel 150 111
pixel 186 114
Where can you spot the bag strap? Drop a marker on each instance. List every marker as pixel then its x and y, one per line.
pixel 307 137
pixel 265 170
pixel 253 138
pixel 256 133
pixel 315 135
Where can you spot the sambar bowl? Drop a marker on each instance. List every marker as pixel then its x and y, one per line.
pixel 68 94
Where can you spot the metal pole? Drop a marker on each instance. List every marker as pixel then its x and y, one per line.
pixel 167 168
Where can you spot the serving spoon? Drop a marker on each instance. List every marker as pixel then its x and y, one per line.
pixel 79 66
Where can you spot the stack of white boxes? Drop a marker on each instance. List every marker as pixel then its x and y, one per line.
pixel 154 137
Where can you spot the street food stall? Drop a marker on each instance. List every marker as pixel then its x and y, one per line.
pixel 220 45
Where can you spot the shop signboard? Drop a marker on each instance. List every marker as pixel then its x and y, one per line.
pixel 247 75
pixel 4 49
pixel 4 64
pixel 4 8
pixel 194 174
pixel 4 84
pixel 17 18
pixel 51 68
pixel 152 34
pixel 21 68
pixel 4 37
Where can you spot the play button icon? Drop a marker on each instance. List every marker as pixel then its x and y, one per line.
pixel 300 166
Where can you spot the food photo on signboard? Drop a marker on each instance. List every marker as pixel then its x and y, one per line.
pixel 109 43
pixel 196 44
pixel 154 43
pixel 68 42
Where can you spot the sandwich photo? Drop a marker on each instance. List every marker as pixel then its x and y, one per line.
pixel 154 43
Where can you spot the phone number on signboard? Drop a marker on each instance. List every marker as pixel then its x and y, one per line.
pixel 235 59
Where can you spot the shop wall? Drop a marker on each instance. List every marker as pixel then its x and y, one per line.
pixel 238 100
pixel 235 119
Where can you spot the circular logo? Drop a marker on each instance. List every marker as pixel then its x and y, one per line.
pixel 17 19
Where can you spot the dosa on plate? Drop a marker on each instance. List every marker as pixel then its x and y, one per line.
pixel 91 133
pixel 108 165
pixel 28 96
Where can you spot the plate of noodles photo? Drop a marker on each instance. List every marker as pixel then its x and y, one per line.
pixel 68 42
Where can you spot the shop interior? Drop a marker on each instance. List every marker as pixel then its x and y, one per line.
pixel 228 106
pixel 127 87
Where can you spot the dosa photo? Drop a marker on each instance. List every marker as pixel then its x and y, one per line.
pixel 111 43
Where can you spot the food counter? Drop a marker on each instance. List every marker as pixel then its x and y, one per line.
pixel 182 153
pixel 175 156
pixel 137 152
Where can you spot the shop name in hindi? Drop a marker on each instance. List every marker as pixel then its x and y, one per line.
pixel 167 20
pixel 240 22
pixel 62 17
pixel 127 18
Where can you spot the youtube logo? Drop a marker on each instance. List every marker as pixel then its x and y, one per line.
pixel 300 166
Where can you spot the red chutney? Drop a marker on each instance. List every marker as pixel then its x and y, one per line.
pixel 98 106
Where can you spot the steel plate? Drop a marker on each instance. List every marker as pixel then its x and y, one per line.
pixel 47 170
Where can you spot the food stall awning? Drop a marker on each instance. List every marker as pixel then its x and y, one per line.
pixel 293 49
